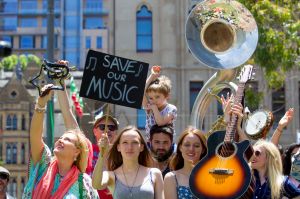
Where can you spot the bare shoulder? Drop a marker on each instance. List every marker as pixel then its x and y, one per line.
pixel 170 176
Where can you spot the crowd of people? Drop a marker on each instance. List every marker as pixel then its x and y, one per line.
pixel 125 164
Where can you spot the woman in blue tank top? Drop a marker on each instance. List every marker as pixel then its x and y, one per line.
pixel 191 147
pixel 128 175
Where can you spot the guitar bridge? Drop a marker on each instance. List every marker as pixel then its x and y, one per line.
pixel 220 171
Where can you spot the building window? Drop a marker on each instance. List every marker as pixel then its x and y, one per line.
pixel 87 42
pixel 144 30
pixel 28 22
pixel 141 118
pixel 9 6
pixel 1 158
pixel 278 105
pixel 195 88
pixel 9 23
pixel 23 123
pixel 9 39
pixel 28 5
pixel 15 122
pixel 27 41
pixel 8 153
pixel 93 5
pixel 23 182
pixel 23 153
pixel 14 153
pixel 93 23
pixel 14 187
pixel 9 122
pixel 99 42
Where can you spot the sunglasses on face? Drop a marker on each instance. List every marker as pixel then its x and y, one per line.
pixel 110 127
pixel 3 176
pixel 257 153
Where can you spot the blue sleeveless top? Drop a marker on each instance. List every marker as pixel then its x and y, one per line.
pixel 183 192
pixel 144 191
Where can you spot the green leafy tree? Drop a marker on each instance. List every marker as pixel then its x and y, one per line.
pixel 278 49
pixel 10 62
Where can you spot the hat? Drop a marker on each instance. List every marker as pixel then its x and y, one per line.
pixel 167 129
pixel 103 117
pixel 4 171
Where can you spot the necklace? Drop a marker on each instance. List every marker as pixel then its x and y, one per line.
pixel 130 188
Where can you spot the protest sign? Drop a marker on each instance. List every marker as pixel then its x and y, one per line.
pixel 114 79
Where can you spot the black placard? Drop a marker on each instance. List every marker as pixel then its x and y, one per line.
pixel 113 79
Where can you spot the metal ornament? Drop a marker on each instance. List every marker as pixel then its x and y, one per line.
pixel 51 73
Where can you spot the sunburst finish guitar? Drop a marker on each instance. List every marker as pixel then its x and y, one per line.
pixel 224 172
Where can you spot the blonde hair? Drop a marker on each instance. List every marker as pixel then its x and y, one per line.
pixel 161 85
pixel 273 167
pixel 81 143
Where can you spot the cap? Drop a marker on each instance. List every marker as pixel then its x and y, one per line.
pixel 4 170
pixel 168 129
pixel 103 117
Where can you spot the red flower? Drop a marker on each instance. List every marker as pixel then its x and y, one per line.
pixel 218 10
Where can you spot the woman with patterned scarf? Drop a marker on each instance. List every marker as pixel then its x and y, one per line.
pixel 61 176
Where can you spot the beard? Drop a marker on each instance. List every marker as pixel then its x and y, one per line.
pixel 161 157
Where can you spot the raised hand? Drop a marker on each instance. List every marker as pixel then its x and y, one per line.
pixel 286 119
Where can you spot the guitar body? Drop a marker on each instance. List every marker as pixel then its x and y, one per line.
pixel 219 175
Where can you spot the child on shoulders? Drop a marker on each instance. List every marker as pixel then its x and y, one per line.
pixel 155 102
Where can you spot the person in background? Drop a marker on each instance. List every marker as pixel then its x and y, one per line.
pixel 98 130
pixel 191 148
pixel 266 164
pixel 155 101
pixel 129 175
pixel 61 176
pixel 4 180
pixel 162 147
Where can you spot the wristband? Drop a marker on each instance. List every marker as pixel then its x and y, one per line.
pixel 39 108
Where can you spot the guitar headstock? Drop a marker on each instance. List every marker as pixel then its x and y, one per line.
pixel 246 73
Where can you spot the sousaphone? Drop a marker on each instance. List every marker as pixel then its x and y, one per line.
pixel 220 35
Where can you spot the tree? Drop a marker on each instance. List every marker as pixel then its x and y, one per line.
pixel 278 49
pixel 10 62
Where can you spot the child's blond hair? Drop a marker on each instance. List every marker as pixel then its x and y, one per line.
pixel 160 85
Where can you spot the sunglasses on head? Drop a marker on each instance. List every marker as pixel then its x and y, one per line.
pixel 110 127
pixel 3 176
pixel 257 153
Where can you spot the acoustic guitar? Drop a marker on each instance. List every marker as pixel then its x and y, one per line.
pixel 224 172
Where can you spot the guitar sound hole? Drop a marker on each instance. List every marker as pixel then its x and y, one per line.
pixel 226 149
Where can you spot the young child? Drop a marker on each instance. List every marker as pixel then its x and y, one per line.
pixel 155 103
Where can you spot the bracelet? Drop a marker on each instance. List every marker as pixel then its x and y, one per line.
pixel 39 108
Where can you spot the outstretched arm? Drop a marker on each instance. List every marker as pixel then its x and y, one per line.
pixel 37 122
pixel 66 109
pixel 155 72
pixel 284 121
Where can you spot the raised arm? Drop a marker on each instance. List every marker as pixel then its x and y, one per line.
pixel 155 72
pixel 37 121
pixel 102 179
pixel 284 121
pixel 66 109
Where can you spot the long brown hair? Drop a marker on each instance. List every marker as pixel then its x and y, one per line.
pixel 177 162
pixel 114 158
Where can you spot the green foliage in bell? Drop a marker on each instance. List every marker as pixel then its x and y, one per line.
pixel 278 49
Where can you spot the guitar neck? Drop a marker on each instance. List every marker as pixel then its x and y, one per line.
pixel 231 128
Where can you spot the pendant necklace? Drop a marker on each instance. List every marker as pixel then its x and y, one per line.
pixel 130 188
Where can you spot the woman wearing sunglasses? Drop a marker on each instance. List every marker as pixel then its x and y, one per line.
pixel 61 176
pixel 128 175
pixel 267 169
